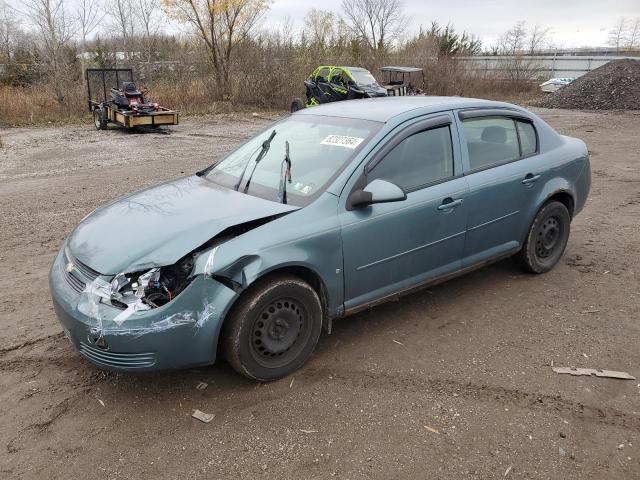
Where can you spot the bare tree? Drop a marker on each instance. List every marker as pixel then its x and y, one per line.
pixel 8 30
pixel 377 23
pixel 538 38
pixel 148 11
pixel 123 18
pixel 221 25
pixel 53 27
pixel 513 44
pixel 617 34
pixel 633 34
pixel 88 16
pixel 324 29
pixel 514 40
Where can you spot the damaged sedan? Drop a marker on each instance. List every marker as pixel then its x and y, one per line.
pixel 327 212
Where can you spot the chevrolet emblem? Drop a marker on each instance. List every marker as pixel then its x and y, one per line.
pixel 70 266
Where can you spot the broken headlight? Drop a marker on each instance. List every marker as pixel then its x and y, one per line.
pixel 155 287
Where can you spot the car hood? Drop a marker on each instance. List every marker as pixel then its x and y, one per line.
pixel 374 90
pixel 159 225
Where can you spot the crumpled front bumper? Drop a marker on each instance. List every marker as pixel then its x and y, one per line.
pixel 182 333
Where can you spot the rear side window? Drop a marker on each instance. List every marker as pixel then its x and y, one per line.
pixel 491 141
pixel 420 159
pixel 528 138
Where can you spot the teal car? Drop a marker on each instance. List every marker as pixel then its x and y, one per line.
pixel 326 212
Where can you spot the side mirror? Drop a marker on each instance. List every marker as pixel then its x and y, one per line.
pixel 378 191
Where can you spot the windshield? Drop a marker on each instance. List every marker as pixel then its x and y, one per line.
pixel 363 77
pixel 319 148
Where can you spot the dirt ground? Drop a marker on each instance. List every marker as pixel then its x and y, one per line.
pixel 453 382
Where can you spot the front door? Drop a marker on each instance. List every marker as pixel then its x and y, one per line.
pixel 390 247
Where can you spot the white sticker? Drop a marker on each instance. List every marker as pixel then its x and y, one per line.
pixel 342 141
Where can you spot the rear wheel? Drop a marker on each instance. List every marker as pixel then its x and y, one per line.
pixel 100 118
pixel 546 239
pixel 273 328
pixel 296 105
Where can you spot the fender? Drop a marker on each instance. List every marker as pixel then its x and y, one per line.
pixel 554 186
pixel 317 249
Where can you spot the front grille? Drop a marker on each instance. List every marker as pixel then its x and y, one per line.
pixel 74 282
pixel 80 275
pixel 86 271
pixel 117 360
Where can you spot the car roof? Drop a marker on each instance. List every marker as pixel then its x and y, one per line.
pixel 401 69
pixel 385 108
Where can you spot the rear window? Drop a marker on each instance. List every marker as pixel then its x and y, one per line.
pixel 496 140
pixel 528 138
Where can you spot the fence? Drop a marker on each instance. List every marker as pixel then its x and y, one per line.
pixel 546 67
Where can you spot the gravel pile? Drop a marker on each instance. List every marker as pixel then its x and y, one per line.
pixel 614 86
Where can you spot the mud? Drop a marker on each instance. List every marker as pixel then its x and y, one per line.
pixel 451 382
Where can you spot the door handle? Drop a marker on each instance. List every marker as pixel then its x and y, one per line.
pixel 449 203
pixel 530 178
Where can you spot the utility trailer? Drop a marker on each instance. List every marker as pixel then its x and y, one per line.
pixel 113 97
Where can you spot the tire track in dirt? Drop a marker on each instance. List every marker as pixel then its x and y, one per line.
pixel 395 381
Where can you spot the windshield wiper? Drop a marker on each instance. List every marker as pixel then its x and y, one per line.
pixel 263 151
pixel 285 174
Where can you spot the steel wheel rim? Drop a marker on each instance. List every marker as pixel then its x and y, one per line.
pixel 280 332
pixel 549 237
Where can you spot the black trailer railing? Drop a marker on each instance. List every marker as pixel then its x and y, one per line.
pixel 97 80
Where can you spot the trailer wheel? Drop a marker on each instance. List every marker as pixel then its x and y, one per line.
pixel 100 118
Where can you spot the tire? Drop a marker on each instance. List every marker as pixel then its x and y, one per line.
pixel 100 118
pixel 546 239
pixel 296 105
pixel 273 328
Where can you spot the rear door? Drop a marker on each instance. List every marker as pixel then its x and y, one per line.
pixel 504 174
pixel 389 247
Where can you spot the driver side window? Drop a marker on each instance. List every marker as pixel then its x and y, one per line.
pixel 420 159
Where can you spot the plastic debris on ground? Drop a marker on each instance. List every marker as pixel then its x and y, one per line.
pixel 593 371
pixel 203 417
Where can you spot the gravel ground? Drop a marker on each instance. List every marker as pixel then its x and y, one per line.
pixel 452 382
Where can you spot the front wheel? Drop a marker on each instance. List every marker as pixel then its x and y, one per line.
pixel 546 239
pixel 296 105
pixel 273 328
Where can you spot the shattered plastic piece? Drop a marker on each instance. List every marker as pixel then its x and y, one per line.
pixel 208 268
pixel 203 417
pixel 593 371
pixel 202 386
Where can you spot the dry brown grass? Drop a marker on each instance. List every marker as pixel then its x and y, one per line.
pixel 34 105
pixel 259 88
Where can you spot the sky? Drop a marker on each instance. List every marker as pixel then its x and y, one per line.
pixel 574 23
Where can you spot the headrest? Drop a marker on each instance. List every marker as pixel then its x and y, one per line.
pixel 129 87
pixel 494 134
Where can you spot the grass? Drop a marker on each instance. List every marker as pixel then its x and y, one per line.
pixel 35 105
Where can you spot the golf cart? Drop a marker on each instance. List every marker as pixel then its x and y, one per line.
pixel 123 104
pixel 397 84
pixel 333 84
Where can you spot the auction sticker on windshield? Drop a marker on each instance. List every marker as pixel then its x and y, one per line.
pixel 342 141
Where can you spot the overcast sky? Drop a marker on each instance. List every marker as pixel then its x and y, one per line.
pixel 574 22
